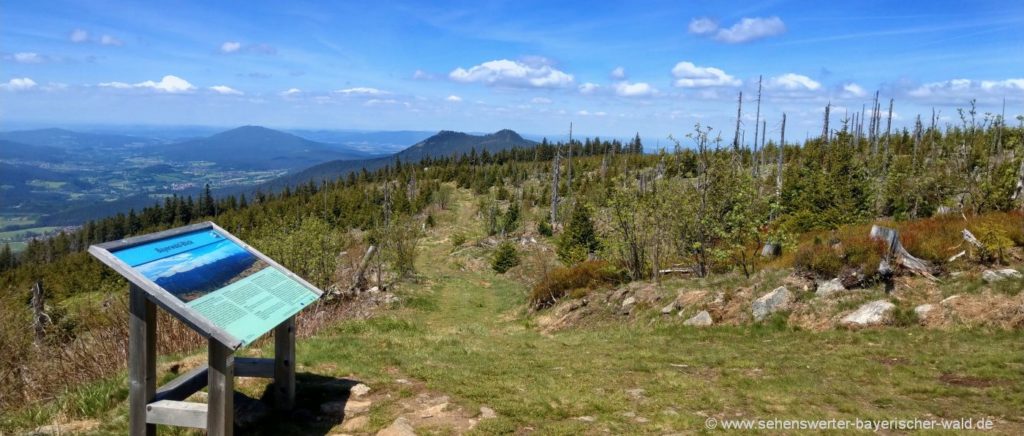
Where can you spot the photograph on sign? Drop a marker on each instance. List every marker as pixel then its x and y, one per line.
pixel 221 280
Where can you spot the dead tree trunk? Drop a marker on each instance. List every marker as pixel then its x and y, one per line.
pixel 554 188
pixel 739 113
pixel 359 282
pixel 39 316
pixel 897 254
pixel 888 131
pixel 782 147
pixel 757 124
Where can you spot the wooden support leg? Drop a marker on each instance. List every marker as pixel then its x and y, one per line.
pixel 141 361
pixel 220 417
pixel 284 365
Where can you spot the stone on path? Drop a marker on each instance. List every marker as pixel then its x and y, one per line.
pixel 923 310
pixel 996 275
pixel 487 413
pixel 400 427
pixel 359 390
pixel 873 313
pixel 772 302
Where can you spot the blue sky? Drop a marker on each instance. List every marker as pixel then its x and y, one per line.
pixel 611 68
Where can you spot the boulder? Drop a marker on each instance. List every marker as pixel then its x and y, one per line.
pixel 873 313
pixel 701 319
pixel 359 390
pixel 996 275
pixel 627 305
pixel 672 307
pixel 923 310
pixel 830 287
pixel 772 302
pixel 487 413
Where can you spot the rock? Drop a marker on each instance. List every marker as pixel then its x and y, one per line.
pixel 359 390
pixel 585 418
pixel 355 423
pixel 772 302
pixel 873 313
pixel 701 319
pixel 830 287
pixel 400 427
pixel 433 410
pixel 373 290
pixel 949 300
pixel 577 304
pixel 991 276
pixel 627 305
pixel 672 307
pixel 487 413
pixel 350 407
pixel 923 310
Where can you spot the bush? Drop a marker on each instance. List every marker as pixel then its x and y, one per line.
pixel 819 259
pixel 854 250
pixel 544 228
pixel 505 257
pixel 576 280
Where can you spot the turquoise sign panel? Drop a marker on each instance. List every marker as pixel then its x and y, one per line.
pixel 219 279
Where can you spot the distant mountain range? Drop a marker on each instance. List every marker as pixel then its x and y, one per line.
pixel 257 148
pixel 444 143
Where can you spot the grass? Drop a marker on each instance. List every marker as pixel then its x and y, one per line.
pixel 465 334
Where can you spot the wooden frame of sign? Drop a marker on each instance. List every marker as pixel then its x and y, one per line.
pixel 149 405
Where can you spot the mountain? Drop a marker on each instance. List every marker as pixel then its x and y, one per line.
pixel 67 139
pixel 444 143
pixel 29 152
pixel 257 148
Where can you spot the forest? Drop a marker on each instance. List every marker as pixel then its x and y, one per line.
pixel 714 204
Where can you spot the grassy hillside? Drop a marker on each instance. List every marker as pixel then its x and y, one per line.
pixel 462 335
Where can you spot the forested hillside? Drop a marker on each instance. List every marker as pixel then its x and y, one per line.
pixel 707 207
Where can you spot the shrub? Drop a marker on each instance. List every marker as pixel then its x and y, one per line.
pixel 544 228
pixel 854 250
pixel 505 257
pixel 819 259
pixel 575 280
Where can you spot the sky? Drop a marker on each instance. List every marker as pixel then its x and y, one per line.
pixel 610 68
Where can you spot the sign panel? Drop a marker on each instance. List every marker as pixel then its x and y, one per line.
pixel 214 277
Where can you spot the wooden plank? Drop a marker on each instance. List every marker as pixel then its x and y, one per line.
pixel 284 365
pixel 254 367
pixel 177 413
pixel 220 417
pixel 183 386
pixel 141 361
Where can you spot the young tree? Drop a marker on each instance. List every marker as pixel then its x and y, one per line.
pixel 579 240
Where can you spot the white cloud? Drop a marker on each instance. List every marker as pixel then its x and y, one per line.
pixel 639 89
pixel 110 40
pixel 853 90
pixel 589 88
pixel 78 36
pixel 18 84
pixel 361 90
pixel 504 72
pixel 702 26
pixel 28 58
pixel 169 84
pixel 291 92
pixel 422 75
pixel 750 29
pixel 453 98
pixel 226 90
pixel 793 82
pixel 689 75
pixel 540 100
pixel 385 102
pixel 618 73
pixel 588 113
pixel 967 88
pixel 230 47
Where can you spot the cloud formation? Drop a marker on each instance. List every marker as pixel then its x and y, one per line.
pixel 688 75
pixel 967 88
pixel 18 84
pixel 853 90
pixel 639 89
pixel 169 84
pixel 225 90
pixel 589 88
pixel 619 73
pixel 360 90
pixel 27 58
pixel 504 72
pixel 78 36
pixel 793 82
pixel 233 47
pixel 453 98
pixel 747 29
pixel 82 36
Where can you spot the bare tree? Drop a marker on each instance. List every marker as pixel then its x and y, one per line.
pixel 782 147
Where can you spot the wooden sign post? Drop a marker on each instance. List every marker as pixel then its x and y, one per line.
pixel 224 290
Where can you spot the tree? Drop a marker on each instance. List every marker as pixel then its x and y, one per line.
pixel 579 239
pixel 505 257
